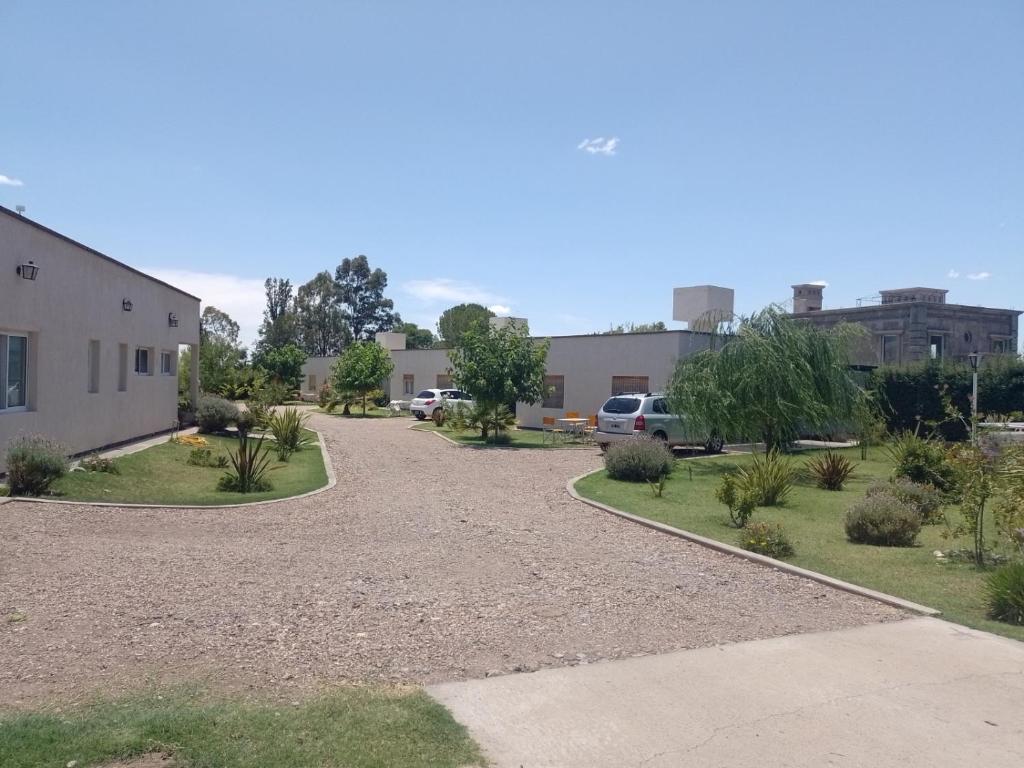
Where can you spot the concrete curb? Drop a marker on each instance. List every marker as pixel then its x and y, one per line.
pixel 729 549
pixel 416 428
pixel 332 481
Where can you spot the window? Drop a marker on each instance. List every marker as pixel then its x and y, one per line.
pixel 167 363
pixel 407 384
pixel 889 349
pixel 311 383
pixel 122 367
pixel 554 392
pixel 935 347
pixel 94 366
pixel 13 372
pixel 142 361
pixel 444 381
pixel 660 406
pixel 622 405
pixel 630 384
pixel 1001 346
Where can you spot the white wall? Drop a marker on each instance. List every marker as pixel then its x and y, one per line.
pixel 320 369
pixel 423 364
pixel 77 297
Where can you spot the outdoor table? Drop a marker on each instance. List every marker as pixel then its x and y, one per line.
pixel 573 427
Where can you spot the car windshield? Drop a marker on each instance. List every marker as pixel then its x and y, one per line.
pixel 426 394
pixel 622 405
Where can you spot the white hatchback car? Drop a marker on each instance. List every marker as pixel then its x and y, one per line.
pixel 427 402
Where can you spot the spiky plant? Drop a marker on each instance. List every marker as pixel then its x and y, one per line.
pixel 250 463
pixel 831 470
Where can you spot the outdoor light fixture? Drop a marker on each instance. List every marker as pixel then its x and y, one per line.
pixel 972 358
pixel 126 305
pixel 28 271
pixel 172 320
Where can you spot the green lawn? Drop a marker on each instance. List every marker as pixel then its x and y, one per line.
pixel 520 438
pixel 346 728
pixel 813 520
pixel 161 475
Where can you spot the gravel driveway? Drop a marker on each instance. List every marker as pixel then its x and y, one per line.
pixel 427 562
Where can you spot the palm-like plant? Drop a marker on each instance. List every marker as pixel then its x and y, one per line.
pixel 288 427
pixel 249 466
pixel 831 470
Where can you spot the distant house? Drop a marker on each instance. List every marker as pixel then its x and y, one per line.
pixel 911 324
pixel 88 345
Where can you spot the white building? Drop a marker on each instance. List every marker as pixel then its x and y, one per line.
pixel 88 345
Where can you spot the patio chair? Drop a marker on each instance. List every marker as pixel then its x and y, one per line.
pixel 572 414
pixel 590 428
pixel 548 429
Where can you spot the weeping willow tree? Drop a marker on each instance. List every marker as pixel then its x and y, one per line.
pixel 773 380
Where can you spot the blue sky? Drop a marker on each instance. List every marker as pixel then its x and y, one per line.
pixel 869 145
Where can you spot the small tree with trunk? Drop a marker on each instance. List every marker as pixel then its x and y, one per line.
pixel 362 368
pixel 499 367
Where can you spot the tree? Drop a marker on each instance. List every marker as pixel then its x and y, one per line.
pixel 361 293
pixel 220 355
pixel 363 367
pixel 499 367
pixel 416 337
pixel 321 325
pixel 777 377
pixel 279 327
pixel 283 364
pixel 657 325
pixel 456 320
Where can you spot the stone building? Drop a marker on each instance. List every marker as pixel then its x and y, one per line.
pixel 910 324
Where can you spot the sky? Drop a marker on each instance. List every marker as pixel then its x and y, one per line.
pixel 566 162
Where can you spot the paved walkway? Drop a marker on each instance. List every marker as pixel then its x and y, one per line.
pixel 921 692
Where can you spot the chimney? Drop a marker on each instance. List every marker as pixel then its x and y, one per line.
pixel 807 297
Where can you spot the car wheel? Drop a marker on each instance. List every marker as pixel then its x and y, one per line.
pixel 714 444
pixel 420 416
pixel 603 447
pixel 434 415
pixel 661 437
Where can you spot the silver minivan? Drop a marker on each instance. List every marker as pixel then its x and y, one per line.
pixel 630 414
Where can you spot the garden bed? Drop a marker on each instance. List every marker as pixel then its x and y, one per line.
pixel 518 438
pixel 813 520
pixel 162 475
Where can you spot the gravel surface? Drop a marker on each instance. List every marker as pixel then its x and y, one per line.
pixel 426 562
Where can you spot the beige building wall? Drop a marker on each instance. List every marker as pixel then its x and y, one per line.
pixel 77 299
pixel 589 364
pixel 417 369
pixel 316 371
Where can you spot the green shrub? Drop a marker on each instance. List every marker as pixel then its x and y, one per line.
pixel 249 465
pixel 260 413
pixel 4 491
pixel 199 457
pixel 215 414
pixel 1004 594
pixel 766 539
pixel 830 470
pixel 96 463
pixel 272 393
pixel 882 520
pixel 768 478
pixel 924 499
pixel 921 460
pixel 737 497
pixel 639 459
pixel 34 462
pixel 288 427
pixel 325 395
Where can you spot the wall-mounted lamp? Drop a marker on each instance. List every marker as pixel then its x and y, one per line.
pixel 126 305
pixel 28 271
pixel 172 320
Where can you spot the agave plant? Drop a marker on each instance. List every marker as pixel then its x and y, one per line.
pixel 249 466
pixel 288 427
pixel 831 470
pixel 768 478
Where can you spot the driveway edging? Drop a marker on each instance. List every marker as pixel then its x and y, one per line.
pixel 332 481
pixel 729 549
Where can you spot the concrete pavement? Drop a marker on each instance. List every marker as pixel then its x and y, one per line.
pixel 919 692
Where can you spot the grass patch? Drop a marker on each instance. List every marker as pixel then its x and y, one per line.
pixel 519 438
pixel 813 520
pixel 160 475
pixel 350 727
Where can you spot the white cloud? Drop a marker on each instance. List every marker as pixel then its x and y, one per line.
pixel 600 145
pixel 7 181
pixel 241 297
pixel 445 289
pixel 953 273
pixel 979 275
pixel 500 309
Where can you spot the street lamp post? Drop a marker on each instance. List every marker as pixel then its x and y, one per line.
pixel 973 360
